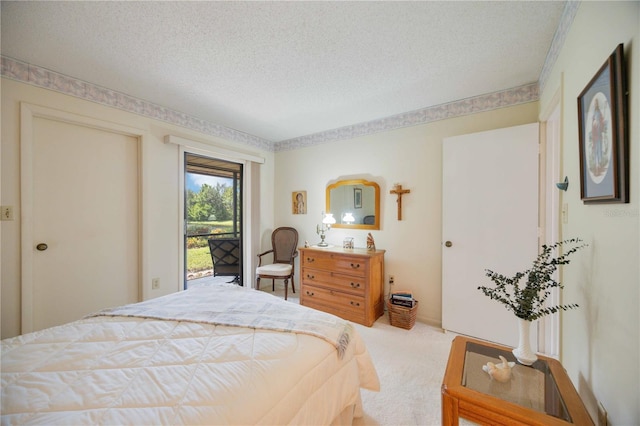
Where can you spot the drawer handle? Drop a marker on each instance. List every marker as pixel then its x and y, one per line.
pixel 355 285
pixel 355 266
pixel 310 293
pixel 355 303
pixel 310 260
pixel 311 277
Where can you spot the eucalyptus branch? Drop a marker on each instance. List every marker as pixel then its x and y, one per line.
pixel 527 301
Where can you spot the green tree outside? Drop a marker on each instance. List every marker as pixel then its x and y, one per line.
pixel 209 211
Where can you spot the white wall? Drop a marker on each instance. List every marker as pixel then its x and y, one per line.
pixel 412 157
pixel 160 165
pixel 600 340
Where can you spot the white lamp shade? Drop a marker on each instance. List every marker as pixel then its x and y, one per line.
pixel 329 219
pixel 348 218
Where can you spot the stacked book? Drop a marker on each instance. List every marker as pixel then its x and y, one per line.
pixel 403 298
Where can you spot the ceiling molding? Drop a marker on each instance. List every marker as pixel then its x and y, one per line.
pixel 47 79
pixel 42 77
pixel 488 102
pixel 569 12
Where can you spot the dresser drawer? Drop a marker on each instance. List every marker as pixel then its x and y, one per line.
pixel 337 299
pixel 339 282
pixel 352 265
pixel 343 282
pixel 349 315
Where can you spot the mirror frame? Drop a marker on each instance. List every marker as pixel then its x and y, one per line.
pixel 376 188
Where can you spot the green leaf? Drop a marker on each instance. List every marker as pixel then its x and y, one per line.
pixel 529 302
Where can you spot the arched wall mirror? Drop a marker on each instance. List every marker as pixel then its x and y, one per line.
pixel 354 204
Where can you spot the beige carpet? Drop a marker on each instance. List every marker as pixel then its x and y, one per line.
pixel 410 365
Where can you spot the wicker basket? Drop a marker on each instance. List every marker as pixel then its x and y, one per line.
pixel 402 317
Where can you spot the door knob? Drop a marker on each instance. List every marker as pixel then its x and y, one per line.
pixel 42 247
pixel 448 244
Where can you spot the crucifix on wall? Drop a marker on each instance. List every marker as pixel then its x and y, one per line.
pixel 397 189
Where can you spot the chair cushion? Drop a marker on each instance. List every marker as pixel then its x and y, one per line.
pixel 276 269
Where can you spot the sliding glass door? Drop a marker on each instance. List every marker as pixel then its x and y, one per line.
pixel 213 221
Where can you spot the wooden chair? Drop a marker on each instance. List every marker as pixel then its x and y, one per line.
pixel 225 254
pixel 284 243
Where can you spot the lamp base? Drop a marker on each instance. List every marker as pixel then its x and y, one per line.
pixel 320 230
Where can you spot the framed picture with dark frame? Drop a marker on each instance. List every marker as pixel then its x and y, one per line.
pixel 357 198
pixel 602 120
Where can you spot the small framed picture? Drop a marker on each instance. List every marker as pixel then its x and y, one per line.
pixel 299 202
pixel 602 111
pixel 357 198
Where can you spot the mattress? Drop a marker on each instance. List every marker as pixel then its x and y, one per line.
pixel 144 369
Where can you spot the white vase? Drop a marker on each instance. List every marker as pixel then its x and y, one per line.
pixel 523 352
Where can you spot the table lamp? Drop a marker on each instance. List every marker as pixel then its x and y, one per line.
pixel 327 221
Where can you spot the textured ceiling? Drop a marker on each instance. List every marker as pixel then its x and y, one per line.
pixel 281 70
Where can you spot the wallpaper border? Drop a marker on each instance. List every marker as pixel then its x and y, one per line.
pixel 42 77
pixel 568 14
pixel 488 102
pixel 47 79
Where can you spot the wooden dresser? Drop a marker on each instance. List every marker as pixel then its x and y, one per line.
pixel 348 283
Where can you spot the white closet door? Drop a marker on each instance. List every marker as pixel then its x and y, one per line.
pixel 490 218
pixel 85 208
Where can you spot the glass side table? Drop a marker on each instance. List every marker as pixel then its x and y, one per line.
pixel 540 394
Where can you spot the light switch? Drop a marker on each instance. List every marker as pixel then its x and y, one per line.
pixel 7 212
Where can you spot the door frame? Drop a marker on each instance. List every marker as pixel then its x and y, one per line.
pixel 550 212
pixel 238 219
pixel 29 112
pixel 250 235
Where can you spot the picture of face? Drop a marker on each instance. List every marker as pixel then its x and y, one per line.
pixel 299 201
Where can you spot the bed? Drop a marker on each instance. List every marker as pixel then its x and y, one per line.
pixel 208 355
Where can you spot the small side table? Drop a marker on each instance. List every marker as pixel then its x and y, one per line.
pixel 541 394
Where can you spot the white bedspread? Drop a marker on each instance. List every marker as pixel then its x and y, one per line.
pixel 229 305
pixel 113 370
